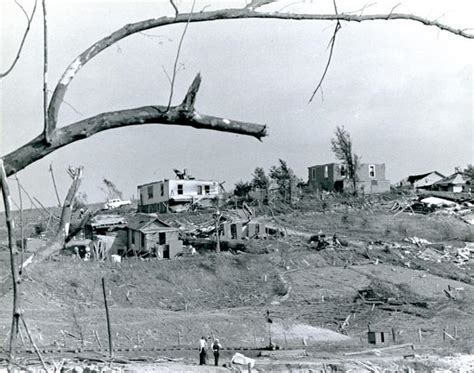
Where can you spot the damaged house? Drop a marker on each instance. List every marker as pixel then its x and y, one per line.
pixel 334 177
pixel 457 183
pixel 148 236
pixel 177 194
pixel 108 232
pixel 422 181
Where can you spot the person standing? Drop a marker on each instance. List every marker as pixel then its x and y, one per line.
pixel 202 351
pixel 216 347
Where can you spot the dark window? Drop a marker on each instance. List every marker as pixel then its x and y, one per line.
pixel 166 252
pixel 343 170
pixel 162 189
pixel 207 189
pixel 150 192
pixel 372 170
pixel 233 231
pixel 180 188
pixel 161 238
pixel 143 240
pixel 199 189
pixel 133 238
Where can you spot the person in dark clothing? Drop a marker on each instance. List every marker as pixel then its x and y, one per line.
pixel 216 347
pixel 202 351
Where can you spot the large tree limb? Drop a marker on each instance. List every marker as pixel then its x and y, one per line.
pixel 181 115
pixel 225 14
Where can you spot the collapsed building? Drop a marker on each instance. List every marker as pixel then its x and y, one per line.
pixel 335 177
pixel 108 232
pixel 421 181
pixel 457 182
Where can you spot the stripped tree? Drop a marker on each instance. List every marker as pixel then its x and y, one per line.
pixel 341 146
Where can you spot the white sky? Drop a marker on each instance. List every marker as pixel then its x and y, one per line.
pixel 403 90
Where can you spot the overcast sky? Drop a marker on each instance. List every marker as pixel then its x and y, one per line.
pixel 403 90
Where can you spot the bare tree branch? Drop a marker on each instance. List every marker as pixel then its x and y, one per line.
pixel 392 10
pixel 332 42
pixel 190 98
pixel 23 39
pixel 179 115
pixel 54 183
pixel 209 16
pixel 22 230
pixel 176 60
pixel 176 11
pixel 48 128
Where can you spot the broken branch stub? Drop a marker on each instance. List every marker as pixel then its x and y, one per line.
pixel 190 98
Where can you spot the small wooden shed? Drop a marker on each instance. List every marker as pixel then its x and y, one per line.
pixel 377 338
pixel 150 237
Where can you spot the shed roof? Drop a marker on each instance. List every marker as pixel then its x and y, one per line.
pixel 107 220
pixel 141 221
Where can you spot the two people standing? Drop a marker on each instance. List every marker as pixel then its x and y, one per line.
pixel 216 347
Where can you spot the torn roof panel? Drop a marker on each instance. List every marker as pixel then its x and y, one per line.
pixel 140 221
pixel 106 220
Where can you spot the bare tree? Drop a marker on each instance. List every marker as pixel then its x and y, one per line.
pixel 341 146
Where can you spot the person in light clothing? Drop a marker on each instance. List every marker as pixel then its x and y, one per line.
pixel 202 351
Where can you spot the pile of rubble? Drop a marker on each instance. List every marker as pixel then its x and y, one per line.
pixel 438 252
pixel 462 209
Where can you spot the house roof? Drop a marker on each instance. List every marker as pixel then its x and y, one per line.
pixel 177 180
pixel 456 178
pixel 139 222
pixel 413 178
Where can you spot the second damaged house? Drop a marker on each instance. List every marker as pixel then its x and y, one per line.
pixel 176 195
pixel 148 236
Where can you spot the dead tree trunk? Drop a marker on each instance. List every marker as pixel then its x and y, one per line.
pixel 57 242
pixel 13 266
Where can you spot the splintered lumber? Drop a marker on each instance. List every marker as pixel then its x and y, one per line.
pixel 375 350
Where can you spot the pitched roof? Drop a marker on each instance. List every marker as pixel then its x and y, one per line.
pixel 140 221
pixel 456 178
pixel 413 178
